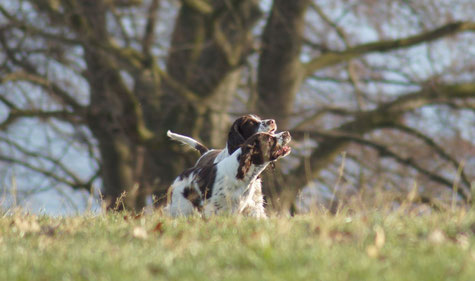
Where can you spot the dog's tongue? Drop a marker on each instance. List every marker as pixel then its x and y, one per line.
pixel 283 151
pixel 286 150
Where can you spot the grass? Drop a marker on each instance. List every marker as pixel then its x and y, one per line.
pixel 362 246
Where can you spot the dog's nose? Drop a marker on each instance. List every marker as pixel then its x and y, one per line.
pixel 270 122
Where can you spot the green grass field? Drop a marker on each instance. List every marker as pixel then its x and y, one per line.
pixel 372 246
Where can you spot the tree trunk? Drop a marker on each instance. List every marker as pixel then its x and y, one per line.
pixel 112 114
pixel 280 71
pixel 112 121
pixel 207 50
pixel 280 75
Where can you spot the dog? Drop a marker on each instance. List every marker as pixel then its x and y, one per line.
pixel 242 128
pixel 227 187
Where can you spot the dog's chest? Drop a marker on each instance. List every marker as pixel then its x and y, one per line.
pixel 229 194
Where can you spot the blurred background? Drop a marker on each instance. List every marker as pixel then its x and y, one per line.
pixel 379 97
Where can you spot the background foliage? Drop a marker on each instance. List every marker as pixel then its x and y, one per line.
pixel 377 94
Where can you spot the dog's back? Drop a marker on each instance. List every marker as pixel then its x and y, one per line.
pixel 208 158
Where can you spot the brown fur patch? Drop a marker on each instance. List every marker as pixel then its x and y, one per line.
pixel 243 128
pixel 193 196
pixel 254 151
pixel 206 178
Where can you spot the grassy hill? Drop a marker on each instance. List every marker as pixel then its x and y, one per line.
pixel 363 246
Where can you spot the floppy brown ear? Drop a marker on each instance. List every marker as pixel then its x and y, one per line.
pixel 235 138
pixel 244 162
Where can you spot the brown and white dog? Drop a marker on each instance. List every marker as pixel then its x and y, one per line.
pixel 227 186
pixel 242 128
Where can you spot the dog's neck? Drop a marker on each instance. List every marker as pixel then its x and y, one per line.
pixel 230 165
pixel 254 172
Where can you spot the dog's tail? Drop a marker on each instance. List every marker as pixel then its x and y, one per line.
pixel 188 141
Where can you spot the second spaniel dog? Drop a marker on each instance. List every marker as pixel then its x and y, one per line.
pixel 226 186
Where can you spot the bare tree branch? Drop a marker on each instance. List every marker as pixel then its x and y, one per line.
pixel 354 78
pixel 386 115
pixel 30 74
pixel 384 151
pixel 333 58
pixel 50 174
pixel 16 114
pixel 367 80
pixel 341 33
pixel 56 162
pixel 434 146
pixel 200 6
pixel 150 27
pixel 8 103
pixel 321 113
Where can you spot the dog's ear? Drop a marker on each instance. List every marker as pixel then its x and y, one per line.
pixel 244 164
pixel 260 148
pixel 235 138
pixel 245 159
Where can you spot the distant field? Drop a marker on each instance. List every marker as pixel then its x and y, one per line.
pixel 371 246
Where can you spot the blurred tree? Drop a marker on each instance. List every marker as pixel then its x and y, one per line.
pixel 115 75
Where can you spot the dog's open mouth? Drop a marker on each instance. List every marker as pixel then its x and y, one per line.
pixel 281 152
pixel 285 150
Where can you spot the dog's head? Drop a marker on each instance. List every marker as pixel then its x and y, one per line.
pixel 263 148
pixel 246 126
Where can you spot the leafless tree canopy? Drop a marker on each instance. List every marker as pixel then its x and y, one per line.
pixel 88 89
